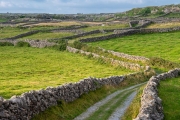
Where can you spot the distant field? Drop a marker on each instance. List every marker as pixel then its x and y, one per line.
pixel 48 35
pixel 7 32
pixel 169 93
pixel 25 69
pixel 164 25
pixel 64 23
pixel 3 19
pixel 106 26
pixel 164 45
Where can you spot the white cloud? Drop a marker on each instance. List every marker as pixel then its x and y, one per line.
pixel 74 6
pixel 5 4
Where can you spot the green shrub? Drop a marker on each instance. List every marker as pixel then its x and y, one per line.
pixel 61 45
pixel 23 44
pixel 6 44
pixel 78 45
pixel 159 62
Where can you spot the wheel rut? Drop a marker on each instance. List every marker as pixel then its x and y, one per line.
pixel 112 107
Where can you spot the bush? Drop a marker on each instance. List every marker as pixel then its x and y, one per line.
pixel 78 45
pixel 159 62
pixel 6 44
pixel 23 44
pixel 61 45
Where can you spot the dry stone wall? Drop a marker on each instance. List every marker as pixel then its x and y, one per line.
pixel 29 104
pixel 73 27
pixel 127 65
pixel 120 33
pixel 82 34
pixel 151 104
pixel 126 56
pixel 33 43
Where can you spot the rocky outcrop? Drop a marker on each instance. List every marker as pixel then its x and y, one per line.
pixel 151 104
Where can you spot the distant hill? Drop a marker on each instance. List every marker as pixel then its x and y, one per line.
pixel 151 11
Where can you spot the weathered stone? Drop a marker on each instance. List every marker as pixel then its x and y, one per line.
pixel 151 104
pixel 1 101
pixel 4 114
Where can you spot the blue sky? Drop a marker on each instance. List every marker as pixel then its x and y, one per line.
pixel 77 6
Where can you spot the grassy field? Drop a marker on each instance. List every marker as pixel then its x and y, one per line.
pixel 105 27
pixel 164 25
pixel 48 35
pixel 7 32
pixel 169 93
pixel 164 45
pixel 64 23
pixel 25 69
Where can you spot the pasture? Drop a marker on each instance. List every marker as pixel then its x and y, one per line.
pixel 163 45
pixel 25 69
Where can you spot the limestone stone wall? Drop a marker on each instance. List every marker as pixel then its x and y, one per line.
pixel 127 56
pixel 73 27
pixel 151 104
pixel 120 33
pixel 127 65
pixel 33 43
pixel 29 104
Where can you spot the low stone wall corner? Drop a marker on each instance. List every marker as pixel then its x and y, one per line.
pixel 151 104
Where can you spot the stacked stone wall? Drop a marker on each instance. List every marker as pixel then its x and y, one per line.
pixel 127 56
pixel 151 104
pixel 120 33
pixel 29 104
pixel 127 65
pixel 33 43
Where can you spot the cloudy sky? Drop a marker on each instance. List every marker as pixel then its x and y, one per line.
pixel 76 6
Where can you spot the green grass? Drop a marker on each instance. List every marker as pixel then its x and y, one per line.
pixel 48 35
pixel 164 25
pixel 93 35
pixel 25 69
pixel 169 93
pixel 106 27
pixel 7 32
pixel 164 45
pixel 3 19
pixel 105 111
pixel 134 107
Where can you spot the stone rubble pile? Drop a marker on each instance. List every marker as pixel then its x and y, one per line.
pixel 151 104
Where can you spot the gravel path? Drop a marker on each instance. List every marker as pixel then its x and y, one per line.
pixel 119 112
pixel 96 106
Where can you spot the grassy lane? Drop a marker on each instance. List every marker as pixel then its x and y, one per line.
pixel 169 93
pixel 164 45
pixel 133 109
pixel 25 69
pixel 107 109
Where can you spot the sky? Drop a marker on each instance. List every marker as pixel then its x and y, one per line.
pixel 77 6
